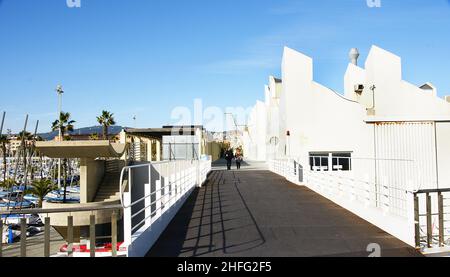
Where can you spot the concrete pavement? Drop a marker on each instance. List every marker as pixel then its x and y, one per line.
pixel 256 213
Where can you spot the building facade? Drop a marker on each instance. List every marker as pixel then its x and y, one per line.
pixel 380 149
pixel 380 116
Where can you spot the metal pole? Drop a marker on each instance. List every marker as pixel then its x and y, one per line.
pixel 47 237
pixel 114 233
pixel 441 218
pixel 23 237
pixel 69 235
pixel 416 221
pixel 29 164
pixel 92 236
pixel 429 221
pixel 59 136
pixel 1 127
pixel 22 147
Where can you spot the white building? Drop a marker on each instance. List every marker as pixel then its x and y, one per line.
pixel 389 134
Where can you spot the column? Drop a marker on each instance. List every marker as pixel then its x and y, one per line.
pixel 149 150
pixel 158 150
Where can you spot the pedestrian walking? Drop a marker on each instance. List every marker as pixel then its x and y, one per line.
pixel 238 158
pixel 229 157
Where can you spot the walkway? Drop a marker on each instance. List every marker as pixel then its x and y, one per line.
pixel 256 213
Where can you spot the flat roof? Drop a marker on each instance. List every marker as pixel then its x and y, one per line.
pixel 158 133
pixel 81 149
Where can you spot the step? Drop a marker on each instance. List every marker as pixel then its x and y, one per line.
pixel 108 192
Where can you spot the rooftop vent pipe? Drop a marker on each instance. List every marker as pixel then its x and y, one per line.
pixel 354 55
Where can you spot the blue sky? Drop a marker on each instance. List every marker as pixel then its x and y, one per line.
pixel 145 57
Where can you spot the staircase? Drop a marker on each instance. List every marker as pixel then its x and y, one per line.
pixel 109 188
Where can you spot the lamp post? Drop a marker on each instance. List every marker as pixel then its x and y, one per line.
pixel 59 91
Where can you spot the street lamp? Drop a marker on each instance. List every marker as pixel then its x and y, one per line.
pixel 59 91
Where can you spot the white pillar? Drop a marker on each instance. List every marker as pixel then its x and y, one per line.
pixel 127 219
pixel 123 137
pixel 158 151
pixel 149 150
pixel 158 199
pixel 147 203
pixel 198 133
pixel 330 162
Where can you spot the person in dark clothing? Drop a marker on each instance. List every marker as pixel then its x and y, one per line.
pixel 229 157
pixel 238 159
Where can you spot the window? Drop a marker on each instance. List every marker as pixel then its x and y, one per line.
pixel 341 161
pixel 318 161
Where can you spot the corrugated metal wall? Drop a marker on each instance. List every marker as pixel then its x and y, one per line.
pixel 413 142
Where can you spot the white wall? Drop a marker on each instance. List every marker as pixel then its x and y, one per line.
pixel 318 118
pixel 321 120
pixel 272 102
pixel 254 140
pixel 394 97
pixel 443 153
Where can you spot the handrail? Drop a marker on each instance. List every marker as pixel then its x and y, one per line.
pixel 61 210
pixel 121 187
pixel 432 190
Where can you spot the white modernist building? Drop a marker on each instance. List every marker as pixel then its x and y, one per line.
pixel 384 136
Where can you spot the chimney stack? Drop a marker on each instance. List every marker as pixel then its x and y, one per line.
pixel 354 55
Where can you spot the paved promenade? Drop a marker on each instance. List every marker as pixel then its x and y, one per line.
pixel 256 213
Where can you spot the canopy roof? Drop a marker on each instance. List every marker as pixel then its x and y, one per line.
pixel 81 149
pixel 158 133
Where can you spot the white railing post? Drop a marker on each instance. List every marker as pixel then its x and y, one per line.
pixel 148 204
pixel 330 162
pixel 178 182
pixel 166 187
pixel 127 218
pixel 172 183
pixel 148 199
pixel 199 184
pixel 158 199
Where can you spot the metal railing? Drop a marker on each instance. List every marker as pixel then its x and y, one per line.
pixel 142 202
pixel 164 184
pixel 381 183
pixel 431 217
pixel 44 213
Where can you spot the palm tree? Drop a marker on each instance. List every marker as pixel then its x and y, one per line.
pixel 106 120
pixel 8 183
pixel 40 189
pixel 25 135
pixel 93 136
pixel 4 141
pixel 63 123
